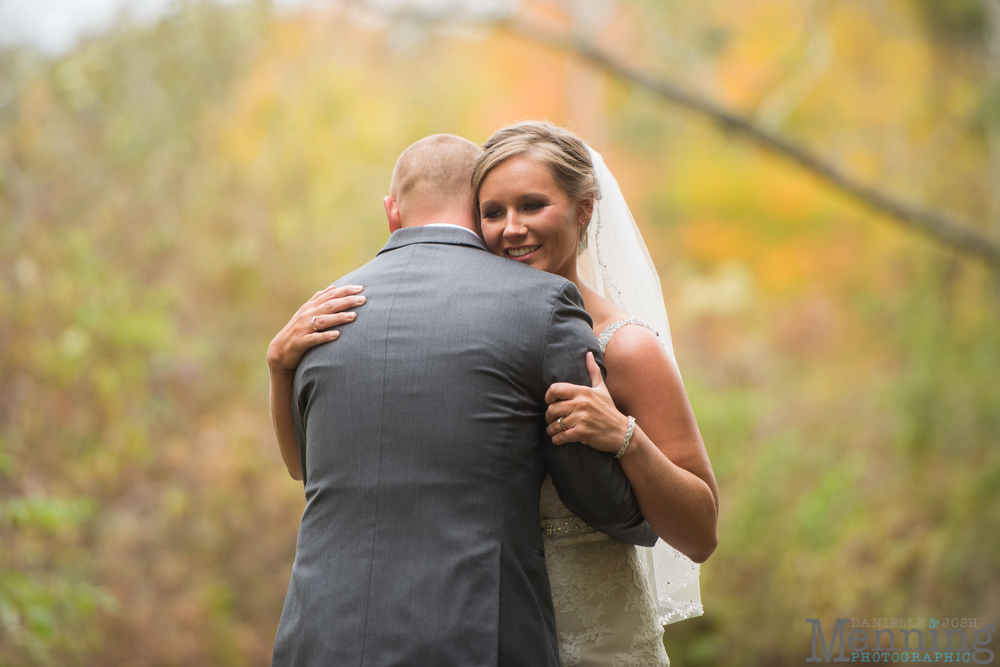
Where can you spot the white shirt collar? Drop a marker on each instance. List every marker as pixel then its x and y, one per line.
pixel 448 224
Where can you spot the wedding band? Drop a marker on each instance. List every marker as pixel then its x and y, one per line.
pixel 314 322
pixel 562 424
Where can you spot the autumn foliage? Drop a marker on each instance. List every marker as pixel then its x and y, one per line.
pixel 170 193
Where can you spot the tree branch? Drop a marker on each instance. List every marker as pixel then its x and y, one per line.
pixel 941 227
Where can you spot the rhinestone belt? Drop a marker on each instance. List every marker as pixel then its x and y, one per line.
pixel 567 527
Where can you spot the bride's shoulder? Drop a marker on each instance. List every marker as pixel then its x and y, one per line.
pixel 634 348
pixel 639 369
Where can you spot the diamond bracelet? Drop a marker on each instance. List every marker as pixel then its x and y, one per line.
pixel 628 438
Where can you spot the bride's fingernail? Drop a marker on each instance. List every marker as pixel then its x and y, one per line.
pixel 358 288
pixel 361 299
pixel 351 316
pixel 335 334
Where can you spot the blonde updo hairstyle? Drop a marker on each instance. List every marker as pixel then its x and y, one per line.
pixel 564 153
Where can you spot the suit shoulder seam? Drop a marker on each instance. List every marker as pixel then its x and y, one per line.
pixel 378 453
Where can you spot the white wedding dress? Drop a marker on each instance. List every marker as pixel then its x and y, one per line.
pixel 605 608
pixel 612 599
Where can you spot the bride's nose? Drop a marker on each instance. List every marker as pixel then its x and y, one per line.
pixel 514 228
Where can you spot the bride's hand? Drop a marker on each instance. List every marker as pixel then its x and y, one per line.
pixel 588 414
pixel 309 326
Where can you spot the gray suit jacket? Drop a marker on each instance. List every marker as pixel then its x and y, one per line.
pixel 423 447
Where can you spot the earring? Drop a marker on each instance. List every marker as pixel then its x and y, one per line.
pixel 583 231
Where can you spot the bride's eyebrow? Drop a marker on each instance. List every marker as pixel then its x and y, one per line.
pixel 527 195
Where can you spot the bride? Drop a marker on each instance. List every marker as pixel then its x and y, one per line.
pixel 547 200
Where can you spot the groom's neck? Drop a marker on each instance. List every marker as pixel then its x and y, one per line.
pixel 459 218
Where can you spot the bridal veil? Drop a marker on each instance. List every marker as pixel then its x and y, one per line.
pixel 617 265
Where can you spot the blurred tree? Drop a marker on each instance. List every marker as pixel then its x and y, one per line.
pixel 942 227
pixel 962 23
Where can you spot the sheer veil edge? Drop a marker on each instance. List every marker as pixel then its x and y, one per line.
pixel 617 265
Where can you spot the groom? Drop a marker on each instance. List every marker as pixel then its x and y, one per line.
pixel 423 447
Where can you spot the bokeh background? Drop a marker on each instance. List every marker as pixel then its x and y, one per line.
pixel 177 178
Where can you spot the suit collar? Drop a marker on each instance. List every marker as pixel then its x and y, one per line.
pixel 445 235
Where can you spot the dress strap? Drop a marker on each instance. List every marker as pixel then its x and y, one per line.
pixel 610 330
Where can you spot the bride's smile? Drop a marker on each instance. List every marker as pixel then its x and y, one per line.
pixel 527 216
pixel 522 252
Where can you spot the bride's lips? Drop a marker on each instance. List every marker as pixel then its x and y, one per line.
pixel 522 253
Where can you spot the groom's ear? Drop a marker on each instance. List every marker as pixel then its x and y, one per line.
pixel 392 213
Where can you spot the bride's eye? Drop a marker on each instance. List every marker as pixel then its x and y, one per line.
pixel 492 214
pixel 533 206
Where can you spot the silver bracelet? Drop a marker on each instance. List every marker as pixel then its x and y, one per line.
pixel 628 438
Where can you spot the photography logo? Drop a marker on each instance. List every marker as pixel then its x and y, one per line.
pixel 897 640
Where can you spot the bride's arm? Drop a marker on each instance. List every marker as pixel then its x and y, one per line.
pixel 666 461
pixel 285 352
pixel 281 420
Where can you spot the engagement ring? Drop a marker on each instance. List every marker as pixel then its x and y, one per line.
pixel 562 424
pixel 314 322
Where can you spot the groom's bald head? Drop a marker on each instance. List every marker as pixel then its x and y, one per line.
pixel 433 179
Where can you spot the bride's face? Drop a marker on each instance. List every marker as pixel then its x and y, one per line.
pixel 528 217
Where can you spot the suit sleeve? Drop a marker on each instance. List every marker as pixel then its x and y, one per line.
pixel 590 483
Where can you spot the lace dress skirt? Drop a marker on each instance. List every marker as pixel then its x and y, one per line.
pixel 605 613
